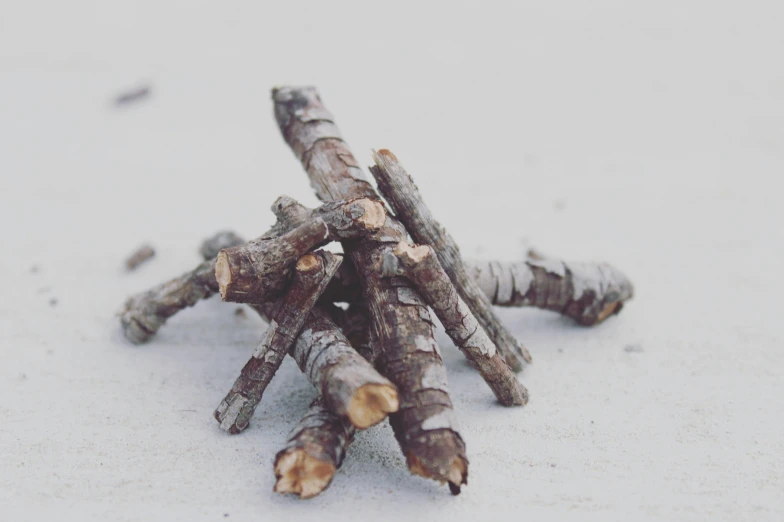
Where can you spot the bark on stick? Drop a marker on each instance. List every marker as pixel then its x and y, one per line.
pixel 314 451
pixel 401 326
pixel 259 271
pixel 421 266
pixel 311 275
pixel 399 189
pixel 589 293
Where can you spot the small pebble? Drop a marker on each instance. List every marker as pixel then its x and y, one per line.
pixel 240 312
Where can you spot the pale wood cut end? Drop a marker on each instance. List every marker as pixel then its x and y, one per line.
pixel 300 474
pixel 307 263
pixel 223 272
pixel 371 404
pixel 411 255
pixel 374 214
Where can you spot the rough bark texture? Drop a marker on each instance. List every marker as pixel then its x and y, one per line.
pixel 311 275
pixel 314 451
pixel 404 197
pixel 259 271
pixel 586 292
pixel 421 265
pixel 140 255
pixel 402 330
pixel 144 314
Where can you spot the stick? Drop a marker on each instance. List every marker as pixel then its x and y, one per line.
pixel 421 266
pixel 314 451
pixel 402 330
pixel 589 293
pixel 258 271
pixel 311 275
pixel 404 197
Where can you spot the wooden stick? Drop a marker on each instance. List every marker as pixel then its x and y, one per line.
pixel 589 293
pixel 421 265
pixel 311 275
pixel 401 325
pixel 258 271
pixel 403 195
pixel 314 451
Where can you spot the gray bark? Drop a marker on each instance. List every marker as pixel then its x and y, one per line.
pixel 404 197
pixel 589 293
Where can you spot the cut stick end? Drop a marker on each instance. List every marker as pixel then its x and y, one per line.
pixel 223 272
pixel 300 474
pixel 383 155
pixel 308 263
pixel 456 476
pixel 371 404
pixel 373 216
pixel 411 255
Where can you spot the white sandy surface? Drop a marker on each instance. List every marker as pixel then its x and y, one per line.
pixel 648 134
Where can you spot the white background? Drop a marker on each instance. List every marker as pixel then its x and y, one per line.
pixel 648 134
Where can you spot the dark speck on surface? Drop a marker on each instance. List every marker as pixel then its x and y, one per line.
pixel 633 348
pixel 53 301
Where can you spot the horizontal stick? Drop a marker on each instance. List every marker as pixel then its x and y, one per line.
pixel 258 271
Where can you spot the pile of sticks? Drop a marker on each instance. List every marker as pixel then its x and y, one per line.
pixel 376 357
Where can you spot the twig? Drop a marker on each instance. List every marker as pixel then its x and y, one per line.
pixel 421 265
pixel 311 275
pixel 589 293
pixel 402 330
pixel 404 197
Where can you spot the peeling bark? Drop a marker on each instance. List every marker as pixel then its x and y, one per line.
pixel 421 265
pixel 314 451
pixel 311 275
pixel 589 293
pixel 401 326
pixel 402 194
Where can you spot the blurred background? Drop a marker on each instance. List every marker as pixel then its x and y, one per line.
pixel 646 134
